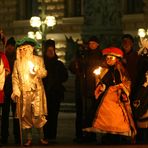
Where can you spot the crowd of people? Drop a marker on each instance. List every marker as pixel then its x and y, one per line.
pixel 107 103
pixel 111 91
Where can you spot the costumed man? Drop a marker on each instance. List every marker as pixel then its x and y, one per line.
pixel 4 70
pixel 28 91
pixel 114 116
pixel 9 105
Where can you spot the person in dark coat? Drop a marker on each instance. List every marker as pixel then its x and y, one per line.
pixel 140 97
pixel 130 59
pixel 54 88
pixel 83 65
pixel 8 103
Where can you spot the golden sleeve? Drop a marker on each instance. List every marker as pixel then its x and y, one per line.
pixel 15 83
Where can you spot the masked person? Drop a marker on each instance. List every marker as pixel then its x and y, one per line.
pixel 114 116
pixel 28 91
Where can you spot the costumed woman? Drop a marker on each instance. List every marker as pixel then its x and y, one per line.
pixel 114 116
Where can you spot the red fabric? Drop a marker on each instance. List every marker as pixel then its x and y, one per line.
pixel 113 51
pixel 1 96
pixel 5 61
pixel 7 68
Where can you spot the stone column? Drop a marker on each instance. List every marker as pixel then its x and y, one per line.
pixel 103 19
pixel 145 10
pixel 21 9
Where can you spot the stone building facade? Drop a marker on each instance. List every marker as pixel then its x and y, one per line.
pixel 76 18
pixel 72 14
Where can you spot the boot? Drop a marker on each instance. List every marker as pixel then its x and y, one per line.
pixel 28 143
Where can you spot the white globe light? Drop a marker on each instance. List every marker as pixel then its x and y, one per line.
pixel 38 35
pixel 35 21
pixel 141 32
pixel 31 34
pixel 50 21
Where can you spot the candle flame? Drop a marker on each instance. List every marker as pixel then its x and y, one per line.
pixel 97 71
pixel 31 66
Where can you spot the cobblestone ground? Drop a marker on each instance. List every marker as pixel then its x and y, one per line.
pixel 65 131
pixel 66 134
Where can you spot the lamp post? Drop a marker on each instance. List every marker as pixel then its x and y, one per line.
pixel 42 26
pixel 41 23
pixel 143 34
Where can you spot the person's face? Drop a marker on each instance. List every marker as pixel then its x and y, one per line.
pixel 93 45
pixel 127 45
pixel 25 50
pixel 111 60
pixel 10 49
pixel 50 52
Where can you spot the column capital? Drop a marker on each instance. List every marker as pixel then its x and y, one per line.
pixel 145 9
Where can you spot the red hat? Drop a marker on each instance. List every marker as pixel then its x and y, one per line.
pixel 113 51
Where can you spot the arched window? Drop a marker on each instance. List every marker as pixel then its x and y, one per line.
pixel 26 9
pixel 73 8
pixel 134 6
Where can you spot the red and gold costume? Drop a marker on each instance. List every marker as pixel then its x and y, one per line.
pixel 114 113
pixel 4 71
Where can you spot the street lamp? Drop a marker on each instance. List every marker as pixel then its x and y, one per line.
pixel 41 25
pixel 143 34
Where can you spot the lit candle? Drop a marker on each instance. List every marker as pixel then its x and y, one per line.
pixel 31 67
pixel 97 72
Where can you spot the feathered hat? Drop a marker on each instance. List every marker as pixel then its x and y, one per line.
pixel 28 41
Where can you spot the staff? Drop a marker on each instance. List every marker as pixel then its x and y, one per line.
pixel 19 116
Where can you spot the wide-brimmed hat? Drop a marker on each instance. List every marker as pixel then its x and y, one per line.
pixel 113 51
pixel 28 41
